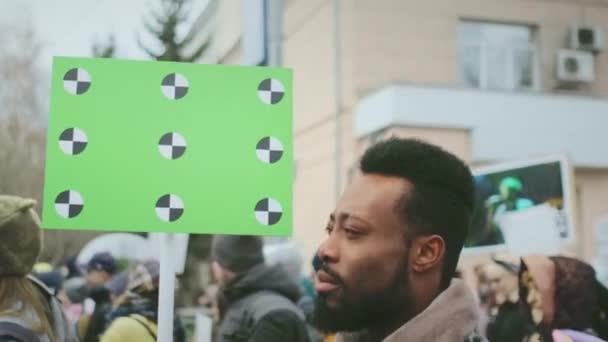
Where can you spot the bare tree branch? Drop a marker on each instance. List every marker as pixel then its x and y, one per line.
pixel 23 133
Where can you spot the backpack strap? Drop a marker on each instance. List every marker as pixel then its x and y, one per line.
pixel 62 328
pixel 21 333
pixel 143 324
pixel 48 294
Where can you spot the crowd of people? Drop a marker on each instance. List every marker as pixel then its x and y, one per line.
pixel 537 297
pixel 386 271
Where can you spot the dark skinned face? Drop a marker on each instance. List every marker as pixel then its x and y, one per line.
pixel 364 278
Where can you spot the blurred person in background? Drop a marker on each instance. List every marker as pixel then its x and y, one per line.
pixel 394 240
pixel 70 268
pixel 91 325
pixel 100 269
pixel 203 299
pixel 29 311
pixel 117 287
pixel 256 302
pixel 136 316
pixel 287 255
pixel 502 285
pixel 482 286
pixel 72 296
pixel 506 322
pixel 562 300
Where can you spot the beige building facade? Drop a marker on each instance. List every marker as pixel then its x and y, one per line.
pixel 482 78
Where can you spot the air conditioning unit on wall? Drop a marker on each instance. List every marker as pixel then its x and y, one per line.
pixel 575 66
pixel 586 37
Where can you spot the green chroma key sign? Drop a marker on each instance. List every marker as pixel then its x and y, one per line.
pixel 169 147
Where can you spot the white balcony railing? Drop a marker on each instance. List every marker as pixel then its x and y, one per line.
pixel 503 125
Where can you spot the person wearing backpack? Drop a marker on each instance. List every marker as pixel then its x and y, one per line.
pixel 256 302
pixel 29 311
pixel 136 316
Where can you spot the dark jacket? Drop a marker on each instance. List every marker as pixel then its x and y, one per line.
pixel 508 325
pixel 259 306
pixel 103 306
pixel 134 311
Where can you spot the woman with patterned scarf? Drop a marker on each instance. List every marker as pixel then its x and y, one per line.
pixel 562 300
pixel 136 316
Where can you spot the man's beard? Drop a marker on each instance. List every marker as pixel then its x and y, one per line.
pixel 368 310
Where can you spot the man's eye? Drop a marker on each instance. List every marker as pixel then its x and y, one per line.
pixel 329 229
pixel 351 233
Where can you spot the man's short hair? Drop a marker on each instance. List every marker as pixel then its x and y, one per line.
pixel 441 201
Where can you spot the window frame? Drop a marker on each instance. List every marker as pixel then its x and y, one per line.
pixel 510 51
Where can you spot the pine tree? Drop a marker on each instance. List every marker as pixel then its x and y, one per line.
pixel 164 29
pixel 105 50
pixel 174 13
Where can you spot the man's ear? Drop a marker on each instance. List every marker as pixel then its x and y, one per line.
pixel 427 252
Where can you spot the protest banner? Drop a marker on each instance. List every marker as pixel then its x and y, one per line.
pixel 169 147
pixel 165 147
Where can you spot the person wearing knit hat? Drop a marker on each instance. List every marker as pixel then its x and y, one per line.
pixel 237 253
pixel 144 279
pixel 31 309
pixel 250 291
pixel 20 236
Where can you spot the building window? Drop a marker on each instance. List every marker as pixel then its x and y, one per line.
pixel 497 56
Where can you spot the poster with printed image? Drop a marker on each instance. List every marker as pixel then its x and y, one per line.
pixel 142 146
pixel 523 207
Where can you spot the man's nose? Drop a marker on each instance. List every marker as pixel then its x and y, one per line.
pixel 329 250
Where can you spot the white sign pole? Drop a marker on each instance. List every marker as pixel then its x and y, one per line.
pixel 179 249
pixel 167 290
pixel 203 326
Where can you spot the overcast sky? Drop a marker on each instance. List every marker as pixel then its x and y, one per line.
pixel 69 27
